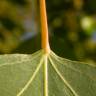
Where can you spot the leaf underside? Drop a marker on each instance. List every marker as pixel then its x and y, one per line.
pixel 27 75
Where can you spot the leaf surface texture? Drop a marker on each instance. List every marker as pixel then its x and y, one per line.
pixel 43 74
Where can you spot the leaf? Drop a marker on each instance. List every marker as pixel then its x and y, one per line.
pixel 43 74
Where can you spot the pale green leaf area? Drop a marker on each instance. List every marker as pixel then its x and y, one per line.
pixel 43 74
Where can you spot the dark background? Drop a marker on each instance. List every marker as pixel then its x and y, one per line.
pixel 72 27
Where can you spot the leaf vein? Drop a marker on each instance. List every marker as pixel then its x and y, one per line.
pixel 62 78
pixel 24 60
pixel 31 79
pixel 80 72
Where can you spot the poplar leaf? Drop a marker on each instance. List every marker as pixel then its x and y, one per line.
pixel 43 74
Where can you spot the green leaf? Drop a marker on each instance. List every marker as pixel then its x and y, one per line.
pixel 43 74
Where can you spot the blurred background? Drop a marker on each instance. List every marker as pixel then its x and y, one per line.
pixel 72 28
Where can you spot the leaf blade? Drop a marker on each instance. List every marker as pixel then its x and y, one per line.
pixel 43 74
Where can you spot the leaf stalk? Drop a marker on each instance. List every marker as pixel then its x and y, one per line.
pixel 44 27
